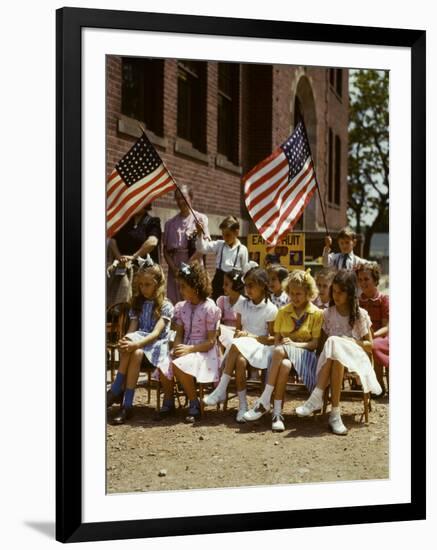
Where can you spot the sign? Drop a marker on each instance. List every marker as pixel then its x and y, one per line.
pixel 289 252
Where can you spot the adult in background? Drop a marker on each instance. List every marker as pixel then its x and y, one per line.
pixel 180 239
pixel 140 236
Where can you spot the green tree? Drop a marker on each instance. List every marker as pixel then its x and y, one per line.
pixel 368 171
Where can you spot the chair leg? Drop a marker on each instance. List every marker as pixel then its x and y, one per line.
pixel 202 405
pixel 112 362
pixel 366 408
pixel 158 395
pixel 149 386
pixel 325 400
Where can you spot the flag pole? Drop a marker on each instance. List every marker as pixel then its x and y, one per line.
pixel 315 176
pixel 174 181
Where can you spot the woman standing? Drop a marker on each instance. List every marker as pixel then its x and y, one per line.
pixel 180 239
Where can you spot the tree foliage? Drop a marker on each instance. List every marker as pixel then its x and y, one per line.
pixel 368 171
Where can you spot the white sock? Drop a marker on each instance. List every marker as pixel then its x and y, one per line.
pixel 277 406
pixel 335 411
pixel 318 392
pixel 242 397
pixel 223 384
pixel 267 395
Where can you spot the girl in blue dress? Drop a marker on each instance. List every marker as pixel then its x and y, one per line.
pixel 147 336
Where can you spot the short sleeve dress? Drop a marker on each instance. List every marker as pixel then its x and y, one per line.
pixel 346 350
pixel 228 321
pixel 197 320
pixel 304 328
pixel 255 319
pixel 157 351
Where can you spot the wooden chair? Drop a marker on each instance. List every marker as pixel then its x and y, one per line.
pixel 117 319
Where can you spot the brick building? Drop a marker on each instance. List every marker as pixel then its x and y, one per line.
pixel 212 122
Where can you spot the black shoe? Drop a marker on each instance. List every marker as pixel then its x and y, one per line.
pixel 167 409
pixel 123 415
pixel 193 412
pixel 111 398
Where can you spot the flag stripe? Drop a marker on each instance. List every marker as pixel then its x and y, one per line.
pixel 289 209
pixel 271 225
pixel 260 168
pixel 298 209
pixel 114 180
pixel 139 187
pixel 257 185
pixel 134 206
pixel 143 186
pixel 290 193
pixel 264 191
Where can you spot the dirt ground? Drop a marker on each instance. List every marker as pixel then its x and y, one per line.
pixel 146 455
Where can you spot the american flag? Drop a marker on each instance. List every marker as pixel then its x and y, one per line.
pixel 138 179
pixel 278 189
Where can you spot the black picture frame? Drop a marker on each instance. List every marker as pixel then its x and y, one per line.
pixel 70 22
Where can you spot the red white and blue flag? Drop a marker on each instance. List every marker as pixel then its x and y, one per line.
pixel 137 179
pixel 279 188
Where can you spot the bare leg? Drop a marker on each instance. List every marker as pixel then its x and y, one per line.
pixel 277 358
pixel 231 360
pixel 281 381
pixel 240 373
pixel 337 371
pixel 124 361
pixel 167 386
pixel 133 368
pixel 187 382
pixel 324 376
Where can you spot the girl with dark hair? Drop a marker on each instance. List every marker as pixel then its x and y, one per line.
pixel 147 336
pixel 195 354
pixel 346 328
pixel 252 341
pixel 233 287
pixel 277 275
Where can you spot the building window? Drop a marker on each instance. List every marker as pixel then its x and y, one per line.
pixel 336 81
pixel 142 91
pixel 191 124
pixel 228 110
pixel 334 168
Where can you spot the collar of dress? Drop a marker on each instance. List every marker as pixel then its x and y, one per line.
pixel 310 308
pixel 366 299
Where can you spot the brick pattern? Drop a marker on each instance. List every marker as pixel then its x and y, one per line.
pixel 267 95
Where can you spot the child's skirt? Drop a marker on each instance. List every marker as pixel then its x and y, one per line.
pixel 354 358
pixel 226 335
pixel 156 352
pixel 304 362
pixel 257 355
pixel 381 351
pixel 203 366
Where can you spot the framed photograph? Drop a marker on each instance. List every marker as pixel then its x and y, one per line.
pixel 191 149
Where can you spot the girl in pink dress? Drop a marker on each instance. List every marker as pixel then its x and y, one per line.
pixel 179 241
pixel 348 341
pixel 195 355
pixel 233 287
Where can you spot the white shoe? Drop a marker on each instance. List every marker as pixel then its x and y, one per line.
pixel 240 418
pixel 214 398
pixel 336 424
pixel 313 403
pixel 278 423
pixel 256 412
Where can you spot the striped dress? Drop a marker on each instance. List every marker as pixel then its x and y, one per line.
pixel 304 328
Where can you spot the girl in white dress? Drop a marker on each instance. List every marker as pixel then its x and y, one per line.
pixel 253 338
pixel 346 328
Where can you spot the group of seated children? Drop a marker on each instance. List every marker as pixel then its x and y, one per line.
pixel 267 320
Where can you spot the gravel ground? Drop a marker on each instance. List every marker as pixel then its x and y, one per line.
pixel 146 455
